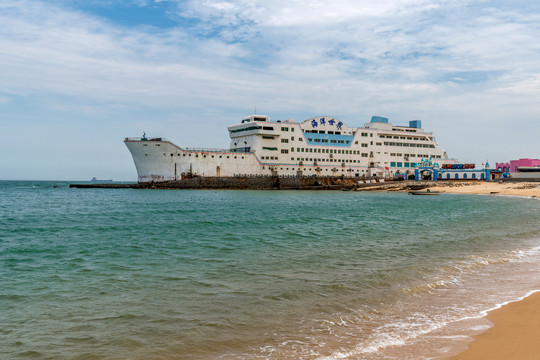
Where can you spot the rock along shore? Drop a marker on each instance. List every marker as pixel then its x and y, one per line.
pixel 263 183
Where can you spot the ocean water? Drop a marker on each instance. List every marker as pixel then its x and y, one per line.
pixel 204 274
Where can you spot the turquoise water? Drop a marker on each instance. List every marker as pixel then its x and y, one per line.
pixel 157 274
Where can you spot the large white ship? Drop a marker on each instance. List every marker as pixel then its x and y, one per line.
pixel 321 146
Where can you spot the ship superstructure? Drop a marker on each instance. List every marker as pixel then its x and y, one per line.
pixel 321 146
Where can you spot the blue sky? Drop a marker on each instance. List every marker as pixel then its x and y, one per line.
pixel 76 77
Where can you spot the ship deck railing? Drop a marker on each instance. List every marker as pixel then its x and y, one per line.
pixel 138 138
pixel 194 149
pixel 242 151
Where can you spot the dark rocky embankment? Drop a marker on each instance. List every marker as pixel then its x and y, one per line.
pixel 267 183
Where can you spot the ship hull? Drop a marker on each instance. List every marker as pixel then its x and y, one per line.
pixel 160 161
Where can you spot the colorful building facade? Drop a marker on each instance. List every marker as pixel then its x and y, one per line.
pixel 514 165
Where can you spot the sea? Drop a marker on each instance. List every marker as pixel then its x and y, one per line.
pixel 240 274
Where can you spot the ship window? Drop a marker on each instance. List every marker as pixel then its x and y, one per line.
pixel 227 157
pixel 189 154
pixel 212 156
pixel 145 154
pixel 172 154
pixel 145 145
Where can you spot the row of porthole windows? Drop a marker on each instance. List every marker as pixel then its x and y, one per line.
pixel 456 176
pixel 204 156
pixel 335 169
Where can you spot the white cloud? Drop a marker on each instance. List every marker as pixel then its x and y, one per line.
pixel 299 12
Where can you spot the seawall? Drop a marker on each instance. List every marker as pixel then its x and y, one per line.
pixel 254 183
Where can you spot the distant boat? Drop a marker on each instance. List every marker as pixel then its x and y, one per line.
pixel 424 192
pixel 100 181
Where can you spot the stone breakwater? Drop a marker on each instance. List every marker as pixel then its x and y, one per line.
pixel 267 183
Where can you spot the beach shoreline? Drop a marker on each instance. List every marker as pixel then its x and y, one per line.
pixel 514 334
pixel 526 189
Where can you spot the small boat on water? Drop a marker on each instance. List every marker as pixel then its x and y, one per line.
pixel 94 180
pixel 424 192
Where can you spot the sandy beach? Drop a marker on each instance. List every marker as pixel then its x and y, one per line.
pixel 514 335
pixel 515 330
pixel 490 188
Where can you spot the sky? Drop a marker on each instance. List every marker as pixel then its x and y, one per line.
pixel 78 76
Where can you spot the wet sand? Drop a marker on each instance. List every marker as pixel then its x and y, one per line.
pixel 491 188
pixel 515 334
pixel 516 330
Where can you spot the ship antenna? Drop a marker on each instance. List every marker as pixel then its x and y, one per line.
pixel 255 113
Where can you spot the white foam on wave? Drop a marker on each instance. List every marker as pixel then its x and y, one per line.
pixel 417 325
pixel 500 305
pixel 386 340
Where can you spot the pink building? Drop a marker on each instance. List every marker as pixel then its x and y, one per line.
pixel 513 165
